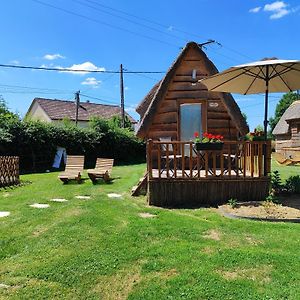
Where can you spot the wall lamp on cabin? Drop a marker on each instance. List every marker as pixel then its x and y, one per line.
pixel 194 77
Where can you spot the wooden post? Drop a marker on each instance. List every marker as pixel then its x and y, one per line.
pixel 182 160
pixel 149 157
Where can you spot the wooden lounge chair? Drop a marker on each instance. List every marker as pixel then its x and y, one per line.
pixel 73 170
pixel 296 159
pixel 102 169
pixel 282 160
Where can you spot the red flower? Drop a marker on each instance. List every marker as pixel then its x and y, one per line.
pixel 196 134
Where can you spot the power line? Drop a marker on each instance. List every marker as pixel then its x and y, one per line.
pixel 161 25
pixel 77 70
pixel 128 20
pixel 103 23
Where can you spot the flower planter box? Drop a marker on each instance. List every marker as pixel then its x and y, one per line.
pixel 209 146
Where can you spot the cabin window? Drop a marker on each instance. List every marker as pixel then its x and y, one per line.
pixel 190 120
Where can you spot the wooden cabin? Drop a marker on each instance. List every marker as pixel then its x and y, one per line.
pixel 287 131
pixel 175 108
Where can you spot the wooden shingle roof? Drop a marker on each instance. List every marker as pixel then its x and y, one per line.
pixel 293 112
pixel 61 109
pixel 148 106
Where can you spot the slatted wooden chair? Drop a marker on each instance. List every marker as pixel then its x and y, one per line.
pixel 73 170
pixel 102 169
pixel 282 160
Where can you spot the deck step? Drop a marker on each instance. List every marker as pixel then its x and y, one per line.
pixel 141 187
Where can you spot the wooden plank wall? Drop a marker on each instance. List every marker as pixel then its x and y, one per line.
pixel 181 89
pixel 196 193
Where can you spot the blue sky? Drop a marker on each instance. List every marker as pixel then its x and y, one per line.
pixel 143 36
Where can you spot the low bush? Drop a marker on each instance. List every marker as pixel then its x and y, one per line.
pixel 292 184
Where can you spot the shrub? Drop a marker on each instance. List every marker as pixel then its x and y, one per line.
pixel 276 184
pixel 232 202
pixel 35 142
pixel 293 184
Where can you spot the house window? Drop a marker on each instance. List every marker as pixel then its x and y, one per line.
pixel 190 120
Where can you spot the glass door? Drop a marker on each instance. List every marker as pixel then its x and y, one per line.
pixel 190 122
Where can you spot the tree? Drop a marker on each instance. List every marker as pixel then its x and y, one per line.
pixel 281 107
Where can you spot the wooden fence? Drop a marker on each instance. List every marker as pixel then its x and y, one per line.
pixel 176 159
pixel 9 171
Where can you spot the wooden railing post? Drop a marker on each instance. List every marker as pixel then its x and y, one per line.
pixel 149 157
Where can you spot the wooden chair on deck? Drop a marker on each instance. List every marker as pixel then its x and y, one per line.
pixel 169 157
pixel 102 169
pixel 234 159
pixel 73 170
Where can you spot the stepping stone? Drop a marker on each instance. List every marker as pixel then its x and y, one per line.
pixel 4 214
pixel 83 197
pixel 39 205
pixel 58 200
pixel 4 286
pixel 113 195
pixel 147 215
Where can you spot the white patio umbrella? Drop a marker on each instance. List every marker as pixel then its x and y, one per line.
pixel 269 76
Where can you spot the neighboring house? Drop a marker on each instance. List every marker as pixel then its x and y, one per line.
pixel 287 130
pixel 54 110
pixel 179 174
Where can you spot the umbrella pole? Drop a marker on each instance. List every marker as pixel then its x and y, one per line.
pixel 266 121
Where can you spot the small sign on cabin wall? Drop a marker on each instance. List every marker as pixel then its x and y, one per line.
pixel 213 104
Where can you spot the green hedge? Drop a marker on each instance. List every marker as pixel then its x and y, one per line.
pixel 35 142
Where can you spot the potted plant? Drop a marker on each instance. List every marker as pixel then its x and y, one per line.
pixel 208 141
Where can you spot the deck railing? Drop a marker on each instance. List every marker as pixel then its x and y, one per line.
pixel 177 160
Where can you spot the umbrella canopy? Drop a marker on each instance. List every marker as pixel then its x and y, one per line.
pixel 263 76
pixel 251 78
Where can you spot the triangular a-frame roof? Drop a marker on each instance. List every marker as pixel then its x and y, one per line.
pixel 148 106
pixel 292 113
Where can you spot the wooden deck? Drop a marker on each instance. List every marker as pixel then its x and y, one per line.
pixel 179 175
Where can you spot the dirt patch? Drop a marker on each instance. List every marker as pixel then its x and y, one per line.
pixel 252 240
pixel 260 274
pixel 213 234
pixel 39 231
pixel 147 215
pixel 264 210
pixel 118 286
pixel 208 250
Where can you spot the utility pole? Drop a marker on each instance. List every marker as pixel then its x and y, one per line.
pixel 122 97
pixel 77 100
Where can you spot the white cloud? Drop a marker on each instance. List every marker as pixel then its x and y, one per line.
pixel 15 62
pixel 278 9
pixel 53 56
pixel 281 13
pixel 91 81
pixel 255 9
pixel 88 66
pixel 126 88
pixel 275 6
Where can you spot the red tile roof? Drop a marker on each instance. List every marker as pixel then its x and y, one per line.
pixel 60 109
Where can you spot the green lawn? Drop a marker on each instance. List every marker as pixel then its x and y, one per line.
pixel 102 249
pixel 285 171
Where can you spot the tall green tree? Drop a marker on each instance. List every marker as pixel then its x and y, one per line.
pixel 281 107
